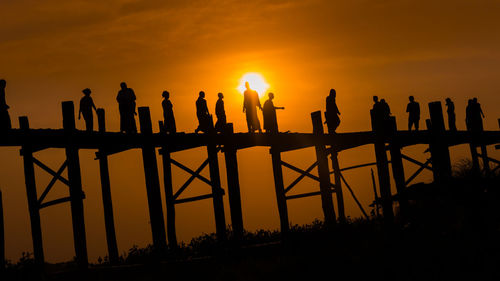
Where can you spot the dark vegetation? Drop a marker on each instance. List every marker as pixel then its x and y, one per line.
pixel 451 232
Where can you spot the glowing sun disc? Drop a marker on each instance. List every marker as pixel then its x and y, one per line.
pixel 256 82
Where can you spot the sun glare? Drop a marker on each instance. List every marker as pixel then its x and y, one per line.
pixel 256 82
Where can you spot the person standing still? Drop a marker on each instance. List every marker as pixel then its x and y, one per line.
pixel 250 103
pixel 450 109
pixel 126 104
pixel 86 106
pixel 220 112
pixel 332 112
pixel 413 109
pixel 168 114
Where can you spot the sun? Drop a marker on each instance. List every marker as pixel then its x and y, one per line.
pixel 256 81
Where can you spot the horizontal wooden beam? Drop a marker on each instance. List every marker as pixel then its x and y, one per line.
pixel 58 138
pixel 54 202
pixel 309 194
pixel 191 199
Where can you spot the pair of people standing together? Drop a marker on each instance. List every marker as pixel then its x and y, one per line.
pixel 126 105
pixel 250 104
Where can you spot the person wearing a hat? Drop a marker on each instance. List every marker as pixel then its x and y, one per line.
pixel 86 105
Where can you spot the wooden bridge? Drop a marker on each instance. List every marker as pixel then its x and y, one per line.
pixel 385 137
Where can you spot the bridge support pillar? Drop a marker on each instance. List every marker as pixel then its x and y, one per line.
pixel 217 192
pixel 398 172
pixel 152 182
pixel 75 188
pixel 107 202
pixel 233 184
pixel 169 198
pixel 280 189
pixel 338 185
pixel 440 154
pixel 379 127
pixel 323 171
pixel 33 206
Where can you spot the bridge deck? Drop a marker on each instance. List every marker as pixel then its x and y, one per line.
pixel 59 138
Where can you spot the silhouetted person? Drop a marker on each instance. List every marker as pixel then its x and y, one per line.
pixel 202 114
pixel 468 115
pixel 126 104
pixel 413 109
pixel 332 112
pixel 220 112
pixel 385 110
pixel 250 103
pixel 477 114
pixel 450 109
pixel 168 113
pixel 5 123
pixel 376 114
pixel 86 106
pixel 269 113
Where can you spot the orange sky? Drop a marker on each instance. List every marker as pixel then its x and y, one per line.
pixel 49 52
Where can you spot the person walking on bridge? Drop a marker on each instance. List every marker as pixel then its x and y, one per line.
pixel 168 114
pixel 250 103
pixel 220 112
pixel 332 112
pixel 450 109
pixel 205 125
pixel 86 106
pixel 269 113
pixel 126 104
pixel 413 109
pixel 5 123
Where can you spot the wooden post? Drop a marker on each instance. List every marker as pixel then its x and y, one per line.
pixel 152 181
pixel 233 184
pixel 323 171
pixel 169 198
pixel 484 153
pixel 33 207
pixel 484 156
pixel 374 185
pixel 474 157
pixel 379 127
pixel 398 172
pixel 2 237
pixel 338 185
pixel 280 190
pixel 440 154
pixel 217 192
pixel 75 188
pixel 107 203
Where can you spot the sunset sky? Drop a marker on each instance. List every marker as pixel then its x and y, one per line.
pixel 51 50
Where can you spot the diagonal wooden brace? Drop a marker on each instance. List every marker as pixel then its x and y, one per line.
pixel 300 171
pixel 53 181
pixel 194 174
pixel 299 178
pixel 50 171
